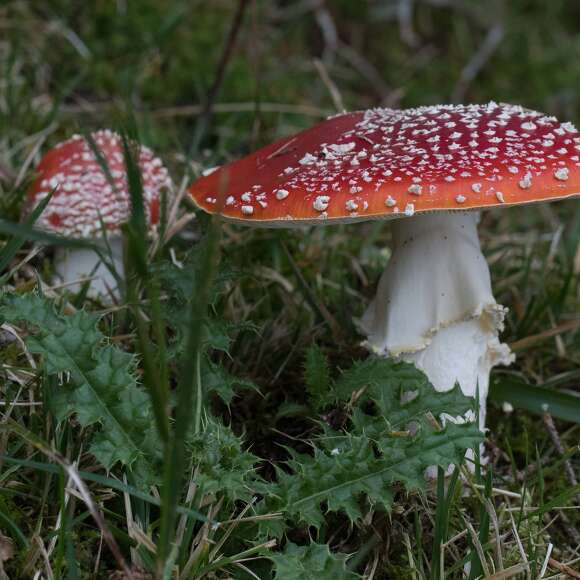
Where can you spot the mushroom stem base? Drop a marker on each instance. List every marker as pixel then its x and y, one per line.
pixel 74 265
pixel 434 305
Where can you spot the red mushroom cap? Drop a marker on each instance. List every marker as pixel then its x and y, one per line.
pixel 385 163
pixel 82 191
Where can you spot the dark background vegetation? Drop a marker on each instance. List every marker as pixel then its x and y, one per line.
pixel 68 66
pixel 77 62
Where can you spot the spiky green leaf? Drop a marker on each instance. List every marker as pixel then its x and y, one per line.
pixel 215 379
pixel 222 465
pixel 312 562
pixel 350 470
pixel 400 391
pixel 98 383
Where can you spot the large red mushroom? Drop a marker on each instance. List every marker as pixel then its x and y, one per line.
pixel 430 169
pixel 88 204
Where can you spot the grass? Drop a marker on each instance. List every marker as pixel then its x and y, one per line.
pixel 150 66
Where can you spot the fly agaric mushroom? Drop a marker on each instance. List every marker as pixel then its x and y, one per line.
pixel 430 169
pixel 85 199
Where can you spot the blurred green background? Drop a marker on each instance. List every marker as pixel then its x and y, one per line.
pixel 67 64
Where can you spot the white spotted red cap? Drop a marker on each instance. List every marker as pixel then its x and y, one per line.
pixel 377 163
pixel 84 195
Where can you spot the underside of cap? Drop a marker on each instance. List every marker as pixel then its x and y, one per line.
pixel 388 164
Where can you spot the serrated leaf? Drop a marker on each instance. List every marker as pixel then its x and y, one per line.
pixel 101 389
pixel 178 283
pixel 222 465
pixel 312 562
pixel 357 468
pixel 215 379
pixel 216 335
pixel 388 383
pixel 348 470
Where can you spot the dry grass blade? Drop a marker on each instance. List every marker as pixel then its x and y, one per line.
pixel 42 135
pixel 546 560
pixel 478 547
pixel 520 546
pixel 410 557
pixel 555 437
pixel 534 339
pixel 214 553
pixel 201 542
pixel 191 490
pixel 205 116
pixel 496 530
pixel 6 553
pixel 11 425
pixel 45 558
pixel 330 85
pixel 247 570
pixel 510 572
pixel 477 63
pixel 104 107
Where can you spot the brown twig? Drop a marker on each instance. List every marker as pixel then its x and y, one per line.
pixel 555 437
pixel 405 18
pixel 330 86
pixel 563 568
pixel 329 32
pixel 536 338
pixel 478 61
pixel 91 108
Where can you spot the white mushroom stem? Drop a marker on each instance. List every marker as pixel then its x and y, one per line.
pixel 434 305
pixel 74 265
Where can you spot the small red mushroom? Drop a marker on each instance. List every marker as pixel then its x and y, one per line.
pixel 431 169
pixel 85 199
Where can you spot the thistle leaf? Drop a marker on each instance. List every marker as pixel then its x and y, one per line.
pixel 348 470
pixel 215 379
pixel 312 562
pixel 101 389
pixel 222 465
pixel 401 392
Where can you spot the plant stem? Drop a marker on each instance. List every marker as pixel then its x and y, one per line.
pixel 198 394
pixel 189 384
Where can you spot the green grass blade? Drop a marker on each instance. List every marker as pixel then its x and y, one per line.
pixel 186 397
pixel 484 522
pixel 106 482
pixel 72 563
pixel 137 225
pixel 30 233
pixel 14 529
pixel 16 242
pixel 442 517
pixel 554 503
pixel 154 372
pixel 535 399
